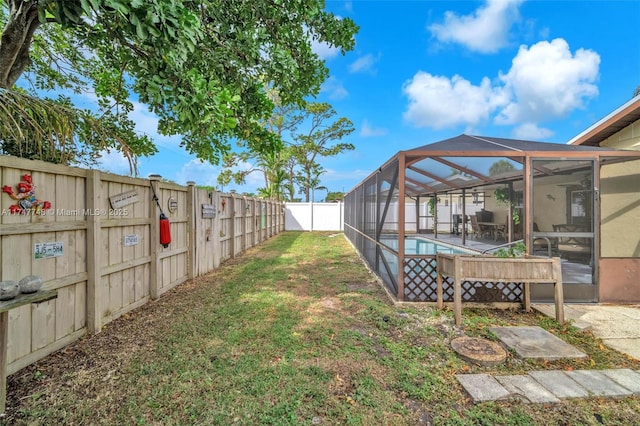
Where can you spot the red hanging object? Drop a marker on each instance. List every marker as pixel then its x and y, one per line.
pixel 165 231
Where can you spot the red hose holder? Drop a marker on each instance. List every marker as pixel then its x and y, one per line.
pixel 165 231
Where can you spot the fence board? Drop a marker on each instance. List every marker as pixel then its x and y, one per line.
pixel 43 318
pixel 96 276
pixel 65 305
pixel 19 340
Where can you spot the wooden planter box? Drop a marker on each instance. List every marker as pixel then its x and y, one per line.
pixel 484 268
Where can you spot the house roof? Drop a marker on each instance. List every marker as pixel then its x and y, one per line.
pixel 622 117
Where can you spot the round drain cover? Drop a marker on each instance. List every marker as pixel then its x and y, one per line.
pixel 479 351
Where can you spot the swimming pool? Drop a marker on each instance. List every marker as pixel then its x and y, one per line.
pixel 418 245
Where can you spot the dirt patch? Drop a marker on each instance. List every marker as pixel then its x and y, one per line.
pixel 362 286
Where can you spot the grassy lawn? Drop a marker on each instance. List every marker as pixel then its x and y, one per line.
pixel 295 332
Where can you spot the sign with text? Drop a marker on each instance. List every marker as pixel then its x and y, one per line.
pixel 48 250
pixel 124 199
pixel 131 240
pixel 208 211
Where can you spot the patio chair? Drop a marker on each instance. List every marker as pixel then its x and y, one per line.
pixel 500 231
pixel 541 244
pixel 570 246
pixel 478 230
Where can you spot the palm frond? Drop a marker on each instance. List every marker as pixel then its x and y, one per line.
pixel 54 131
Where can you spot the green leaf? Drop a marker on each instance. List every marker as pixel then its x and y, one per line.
pixel 141 32
pixel 231 122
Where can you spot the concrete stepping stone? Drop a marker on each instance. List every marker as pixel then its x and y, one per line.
pixel 482 387
pixel 536 343
pixel 528 388
pixel 559 384
pixel 598 384
pixel 626 378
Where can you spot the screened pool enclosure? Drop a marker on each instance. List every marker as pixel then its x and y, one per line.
pixel 483 195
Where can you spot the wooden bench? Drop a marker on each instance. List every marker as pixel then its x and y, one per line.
pixel 491 269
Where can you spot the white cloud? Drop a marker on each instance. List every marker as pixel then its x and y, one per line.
pixel 439 102
pixel 530 131
pixel 146 123
pixel 486 30
pixel 369 131
pixel 199 172
pixel 364 63
pixel 206 174
pixel 324 50
pixel 334 88
pixel 545 82
pixel 113 162
pixel 548 81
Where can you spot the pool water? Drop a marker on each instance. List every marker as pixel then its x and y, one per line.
pixel 423 246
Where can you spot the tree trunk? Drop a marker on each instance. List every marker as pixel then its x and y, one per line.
pixel 16 39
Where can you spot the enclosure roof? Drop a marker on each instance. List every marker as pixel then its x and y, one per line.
pixel 486 144
pixel 467 161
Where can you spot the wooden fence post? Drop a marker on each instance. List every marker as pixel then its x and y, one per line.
pixel 154 234
pixel 254 221
pixel 192 211
pixel 94 252
pixel 232 215
pixel 269 218
pixel 243 229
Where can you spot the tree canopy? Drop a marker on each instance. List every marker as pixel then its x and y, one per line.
pixel 203 67
pixel 308 133
pixel 501 166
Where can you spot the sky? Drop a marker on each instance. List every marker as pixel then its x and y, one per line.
pixel 424 71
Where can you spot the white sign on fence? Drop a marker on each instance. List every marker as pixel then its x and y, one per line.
pixel 131 240
pixel 48 250
pixel 124 199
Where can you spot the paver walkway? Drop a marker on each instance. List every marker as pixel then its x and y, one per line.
pixel 548 386
pixel 616 325
pixel 553 385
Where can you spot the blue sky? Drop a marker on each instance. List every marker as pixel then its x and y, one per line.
pixel 423 71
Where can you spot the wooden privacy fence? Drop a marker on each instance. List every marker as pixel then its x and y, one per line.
pixel 94 238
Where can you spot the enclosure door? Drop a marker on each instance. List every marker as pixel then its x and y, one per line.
pixel 564 224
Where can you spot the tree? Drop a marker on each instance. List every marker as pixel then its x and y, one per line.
pixel 500 166
pixel 52 130
pixel 315 143
pixel 202 67
pixel 296 162
pixel 334 196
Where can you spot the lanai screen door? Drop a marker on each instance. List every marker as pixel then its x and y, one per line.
pixel 565 216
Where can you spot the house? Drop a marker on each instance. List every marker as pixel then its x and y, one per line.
pixel 620 210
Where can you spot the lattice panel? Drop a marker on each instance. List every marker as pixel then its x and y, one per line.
pixel 420 279
pixel 420 285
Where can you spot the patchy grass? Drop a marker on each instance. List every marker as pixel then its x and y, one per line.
pixel 295 332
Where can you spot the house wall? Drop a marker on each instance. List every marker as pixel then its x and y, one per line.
pixel 620 209
pixel 627 138
pixel 549 206
pixel 620 233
